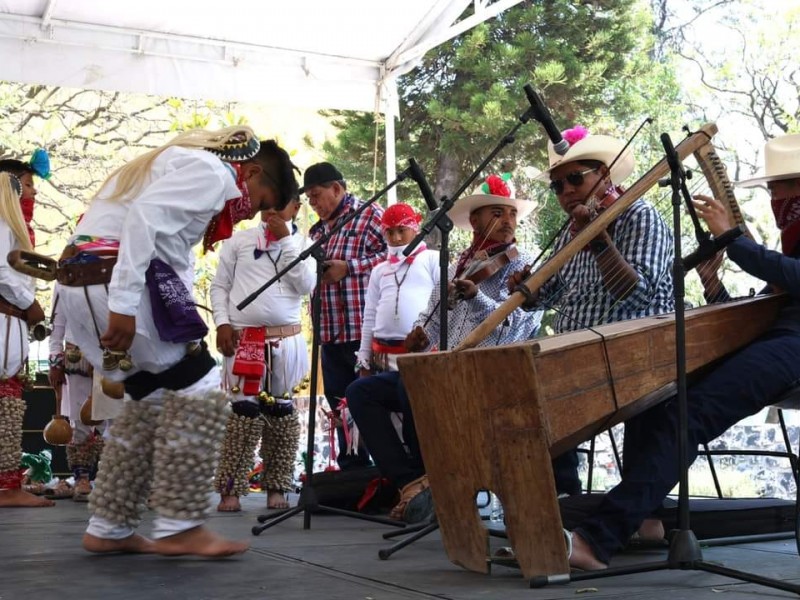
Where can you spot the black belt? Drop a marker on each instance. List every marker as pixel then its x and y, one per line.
pixel 189 370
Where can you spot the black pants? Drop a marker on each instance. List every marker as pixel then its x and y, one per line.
pixel 338 371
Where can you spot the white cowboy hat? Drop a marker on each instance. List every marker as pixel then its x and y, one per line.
pixel 464 207
pixel 603 148
pixel 781 161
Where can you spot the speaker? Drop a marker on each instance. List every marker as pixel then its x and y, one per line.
pixel 40 406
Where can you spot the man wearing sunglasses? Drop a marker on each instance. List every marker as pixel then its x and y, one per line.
pixel 623 273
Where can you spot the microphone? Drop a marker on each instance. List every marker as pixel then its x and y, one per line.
pixel 709 248
pixel 541 114
pixel 415 172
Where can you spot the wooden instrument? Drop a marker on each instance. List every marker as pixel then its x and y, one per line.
pixel 481 269
pixel 494 417
pixel 33 264
pixel 538 278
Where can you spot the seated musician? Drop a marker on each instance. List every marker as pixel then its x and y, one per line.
pixel 742 385
pixel 492 217
pixel 625 272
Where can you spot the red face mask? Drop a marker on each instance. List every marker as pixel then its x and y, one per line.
pixel 27 213
pixel 787 218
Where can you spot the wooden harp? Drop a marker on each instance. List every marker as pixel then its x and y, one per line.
pixel 691 145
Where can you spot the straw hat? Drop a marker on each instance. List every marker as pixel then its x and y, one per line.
pixel 781 161
pixel 499 194
pixel 584 146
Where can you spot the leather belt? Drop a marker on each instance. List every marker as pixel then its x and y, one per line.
pixel 89 273
pixel 282 331
pixel 7 308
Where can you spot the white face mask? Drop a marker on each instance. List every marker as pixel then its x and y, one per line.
pixel 396 251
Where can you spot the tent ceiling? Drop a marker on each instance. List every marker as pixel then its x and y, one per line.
pixel 317 53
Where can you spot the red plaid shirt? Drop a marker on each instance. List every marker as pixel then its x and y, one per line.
pixel 360 243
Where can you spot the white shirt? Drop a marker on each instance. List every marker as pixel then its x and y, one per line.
pixel 416 280
pixel 16 288
pixel 239 274
pixel 184 190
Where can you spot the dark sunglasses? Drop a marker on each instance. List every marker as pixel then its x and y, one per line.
pixel 575 179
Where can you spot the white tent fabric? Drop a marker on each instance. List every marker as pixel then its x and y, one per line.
pixel 338 54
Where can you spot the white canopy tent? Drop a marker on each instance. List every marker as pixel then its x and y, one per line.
pixel 342 54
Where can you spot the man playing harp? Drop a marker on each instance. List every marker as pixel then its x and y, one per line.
pixel 742 385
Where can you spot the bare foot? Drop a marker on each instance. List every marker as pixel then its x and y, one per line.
pixel 134 544
pixel 198 541
pixel 21 498
pixel 229 504
pixel 276 499
pixel 651 530
pixel 582 556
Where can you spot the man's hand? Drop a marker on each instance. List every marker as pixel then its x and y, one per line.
pixel 713 213
pixel 516 278
pixel 277 225
pixel 582 215
pixel 460 289
pixel 335 270
pixel 34 313
pixel 56 377
pixel 417 340
pixel 227 340
pixel 120 332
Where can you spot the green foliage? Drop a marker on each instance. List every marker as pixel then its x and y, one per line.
pixel 591 61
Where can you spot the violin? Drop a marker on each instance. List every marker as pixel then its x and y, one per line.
pixel 480 269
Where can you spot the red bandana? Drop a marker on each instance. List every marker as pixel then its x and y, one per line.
pixel 787 218
pixel 235 210
pixel 400 215
pixel 27 213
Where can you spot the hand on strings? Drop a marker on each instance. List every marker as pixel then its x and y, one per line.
pixel 34 313
pixel 227 340
pixel 463 288
pixel 277 225
pixel 56 377
pixel 417 340
pixel 582 215
pixel 713 213
pixel 334 270
pixel 516 278
pixel 120 332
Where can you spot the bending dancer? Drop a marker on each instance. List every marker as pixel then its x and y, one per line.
pixel 138 325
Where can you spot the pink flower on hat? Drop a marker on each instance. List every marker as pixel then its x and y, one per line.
pixel 574 135
pixel 496 186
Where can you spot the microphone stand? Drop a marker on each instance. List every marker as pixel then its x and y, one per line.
pixel 308 502
pixel 440 220
pixel 684 549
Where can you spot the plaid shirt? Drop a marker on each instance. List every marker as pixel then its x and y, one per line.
pixel 360 243
pixel 577 292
